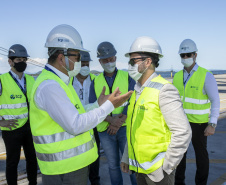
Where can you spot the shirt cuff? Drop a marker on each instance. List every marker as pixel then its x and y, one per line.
pixel 213 120
pixel 108 107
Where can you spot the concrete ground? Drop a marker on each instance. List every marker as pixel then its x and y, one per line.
pixel 216 149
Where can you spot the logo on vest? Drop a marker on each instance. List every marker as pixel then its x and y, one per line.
pixel 77 106
pixel 195 87
pixel 12 96
pixel 142 107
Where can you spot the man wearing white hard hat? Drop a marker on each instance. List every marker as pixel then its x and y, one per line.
pixel 62 130
pixel 158 131
pixel 198 90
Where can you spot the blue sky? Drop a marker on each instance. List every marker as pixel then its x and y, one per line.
pixel 120 22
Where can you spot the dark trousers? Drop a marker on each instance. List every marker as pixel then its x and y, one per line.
pixel 94 167
pixel 78 177
pixel 14 140
pixel 199 142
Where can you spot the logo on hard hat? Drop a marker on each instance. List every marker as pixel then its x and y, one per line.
pixel 185 48
pixel 63 40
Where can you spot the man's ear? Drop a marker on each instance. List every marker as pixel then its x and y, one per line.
pixel 60 58
pixel 10 62
pixel 149 61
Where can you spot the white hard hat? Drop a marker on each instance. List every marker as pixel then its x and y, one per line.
pixel 145 44
pixel 65 37
pixel 187 46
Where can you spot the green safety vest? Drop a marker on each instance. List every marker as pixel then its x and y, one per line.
pixel 196 104
pixel 57 151
pixel 92 76
pixel 13 103
pixel 148 135
pixel 121 81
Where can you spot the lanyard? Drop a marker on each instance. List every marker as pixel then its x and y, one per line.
pixel 186 79
pixel 22 89
pixel 48 69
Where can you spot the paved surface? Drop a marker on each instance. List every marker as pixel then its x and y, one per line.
pixel 216 149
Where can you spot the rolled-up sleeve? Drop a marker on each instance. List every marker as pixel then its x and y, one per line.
pixel 173 113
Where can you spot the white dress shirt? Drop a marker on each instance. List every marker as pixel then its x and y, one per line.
pixel 211 90
pixel 82 90
pixel 175 118
pixel 51 98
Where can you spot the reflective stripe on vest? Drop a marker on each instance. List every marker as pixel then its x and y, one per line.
pixel 198 112
pixel 52 138
pixel 13 106
pixel 15 116
pixel 147 165
pixel 196 101
pixel 67 153
pixel 155 85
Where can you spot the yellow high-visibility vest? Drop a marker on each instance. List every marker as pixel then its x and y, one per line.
pixel 121 81
pixel 13 103
pixel 196 104
pixel 148 135
pixel 57 151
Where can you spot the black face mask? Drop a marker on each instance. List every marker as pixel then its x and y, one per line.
pixel 20 66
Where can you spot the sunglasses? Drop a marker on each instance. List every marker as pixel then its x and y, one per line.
pixel 76 55
pixel 133 61
pixel 186 54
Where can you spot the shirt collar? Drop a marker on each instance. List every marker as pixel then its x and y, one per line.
pixel 195 68
pixel 62 76
pixel 138 88
pixel 16 76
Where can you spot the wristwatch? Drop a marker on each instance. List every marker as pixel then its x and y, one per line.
pixel 212 125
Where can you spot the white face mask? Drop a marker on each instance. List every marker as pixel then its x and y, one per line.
pixel 85 71
pixel 134 73
pixel 76 70
pixel 187 62
pixel 109 67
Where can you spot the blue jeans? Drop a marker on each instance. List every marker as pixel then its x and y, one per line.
pixel 112 145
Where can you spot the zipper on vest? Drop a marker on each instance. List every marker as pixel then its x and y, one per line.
pixel 131 134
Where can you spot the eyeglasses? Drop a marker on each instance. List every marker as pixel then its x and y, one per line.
pixel 81 94
pixel 186 54
pixel 133 61
pixel 75 55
